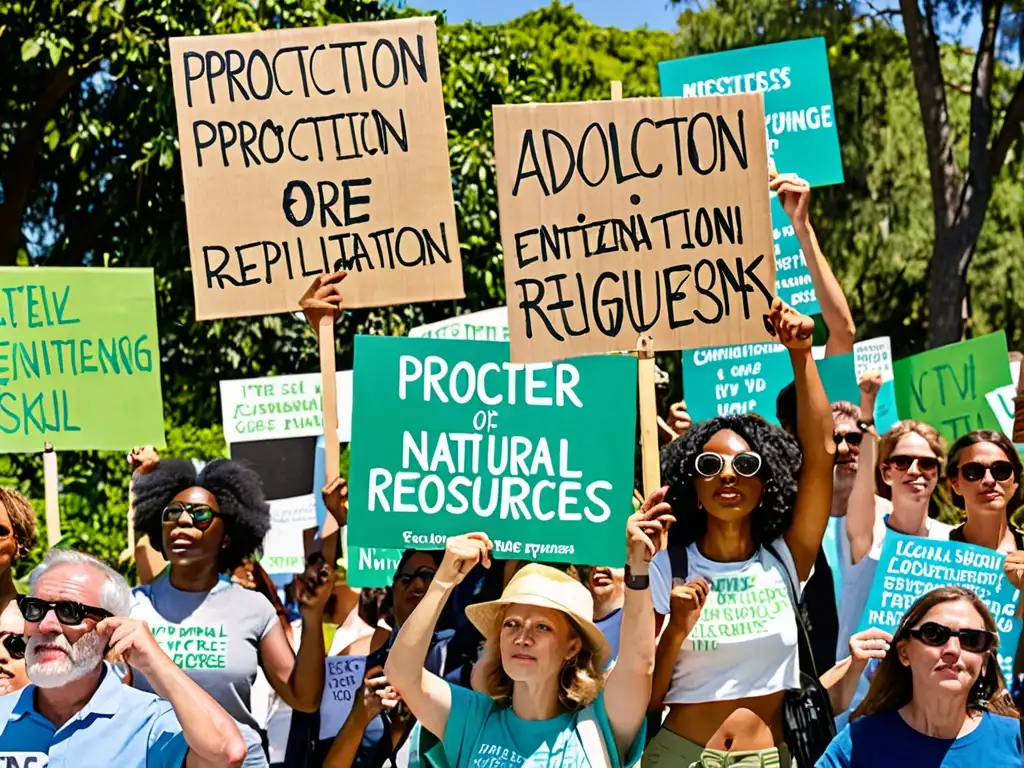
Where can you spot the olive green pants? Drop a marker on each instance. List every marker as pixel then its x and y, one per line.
pixel 668 750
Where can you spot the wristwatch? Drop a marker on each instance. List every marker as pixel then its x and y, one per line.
pixel 865 425
pixel 638 583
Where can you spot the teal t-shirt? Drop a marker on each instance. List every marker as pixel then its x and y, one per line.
pixel 482 734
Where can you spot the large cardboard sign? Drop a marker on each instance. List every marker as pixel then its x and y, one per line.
pixel 638 217
pixel 305 151
pixel 909 566
pixel 280 407
pixel 450 437
pixel 79 359
pixel 947 386
pixel 799 110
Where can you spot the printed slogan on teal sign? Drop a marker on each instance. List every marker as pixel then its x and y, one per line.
pixel 799 114
pixel 450 437
pixel 79 359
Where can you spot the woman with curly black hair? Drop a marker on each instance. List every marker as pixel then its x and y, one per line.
pixel 751 509
pixel 206 524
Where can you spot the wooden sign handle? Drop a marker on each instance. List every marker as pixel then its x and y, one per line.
pixel 53 534
pixel 329 401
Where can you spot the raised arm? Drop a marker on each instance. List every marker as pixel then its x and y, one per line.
pixel 298 678
pixel 686 603
pixel 427 695
pixel 841 680
pixel 814 431
pixel 212 736
pixel 628 689
pixel 860 509
pixel 795 196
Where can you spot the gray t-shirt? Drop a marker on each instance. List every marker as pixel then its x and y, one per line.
pixel 214 637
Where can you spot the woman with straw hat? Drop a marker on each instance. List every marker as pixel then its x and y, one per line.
pixel 545 699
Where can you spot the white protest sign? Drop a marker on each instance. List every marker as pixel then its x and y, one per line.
pixel 278 407
pixel 873 355
pixel 344 676
pixel 1001 401
pixel 24 760
pixel 283 550
pixel 486 325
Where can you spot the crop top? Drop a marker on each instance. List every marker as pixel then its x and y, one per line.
pixel 745 642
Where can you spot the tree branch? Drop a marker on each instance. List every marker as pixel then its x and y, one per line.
pixel 931 95
pixel 1010 131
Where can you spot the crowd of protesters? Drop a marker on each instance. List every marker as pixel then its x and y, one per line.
pixel 472 662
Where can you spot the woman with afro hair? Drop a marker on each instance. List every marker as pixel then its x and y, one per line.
pixel 206 523
pixel 751 512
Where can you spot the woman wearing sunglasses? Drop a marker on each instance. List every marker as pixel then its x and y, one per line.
pixel 984 473
pixel 749 537
pixel 938 698
pixel 17 537
pixel 206 524
pixel 910 456
pixel 12 650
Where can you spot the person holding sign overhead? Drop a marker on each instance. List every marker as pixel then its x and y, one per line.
pixel 546 698
pixel 938 698
pixel 729 581
pixel 219 633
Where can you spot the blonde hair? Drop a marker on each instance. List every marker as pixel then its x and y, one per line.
pixel 23 519
pixel 580 682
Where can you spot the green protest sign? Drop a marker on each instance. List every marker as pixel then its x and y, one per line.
pixel 946 387
pixel 79 359
pixel 798 106
pixel 450 437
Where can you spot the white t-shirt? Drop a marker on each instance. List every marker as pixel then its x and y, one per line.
pixel 857 580
pixel 745 642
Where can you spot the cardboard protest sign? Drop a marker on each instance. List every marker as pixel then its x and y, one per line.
pixel 1001 401
pixel 79 359
pixel 799 110
pixel 946 387
pixel 793 282
pixel 747 378
pixel 450 437
pixel 344 675
pixel 909 566
pixel 486 325
pixel 283 550
pixel 305 151
pixel 279 407
pixel 622 219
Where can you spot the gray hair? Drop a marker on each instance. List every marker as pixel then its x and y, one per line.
pixel 115 595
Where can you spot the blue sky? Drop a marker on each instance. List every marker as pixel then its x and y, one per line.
pixel 625 14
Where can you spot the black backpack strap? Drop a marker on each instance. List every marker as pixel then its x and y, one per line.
pixel 679 561
pixel 807 665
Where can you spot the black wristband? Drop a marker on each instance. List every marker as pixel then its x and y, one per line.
pixel 865 424
pixel 638 583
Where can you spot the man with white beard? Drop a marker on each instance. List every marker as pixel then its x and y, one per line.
pixel 76 711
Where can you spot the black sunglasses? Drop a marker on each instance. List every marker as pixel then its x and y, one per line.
pixel 202 514
pixel 850 438
pixel 937 635
pixel 15 646
pixel 711 464
pixel 973 471
pixel 926 465
pixel 68 612
pixel 425 572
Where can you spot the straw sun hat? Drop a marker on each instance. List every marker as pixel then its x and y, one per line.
pixel 545 587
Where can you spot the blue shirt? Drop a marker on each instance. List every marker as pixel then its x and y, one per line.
pixel 119 726
pixel 881 741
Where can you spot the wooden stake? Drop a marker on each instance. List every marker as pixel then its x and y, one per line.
pixel 616 90
pixel 648 415
pixel 329 398
pixel 52 506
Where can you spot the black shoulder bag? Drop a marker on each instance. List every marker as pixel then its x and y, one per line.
pixel 807 719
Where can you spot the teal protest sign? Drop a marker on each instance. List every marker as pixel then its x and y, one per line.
pixel 909 566
pixel 370 566
pixel 747 378
pixel 792 278
pixel 947 387
pixel 798 106
pixel 450 437
pixel 79 359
